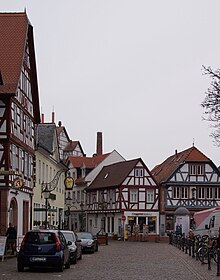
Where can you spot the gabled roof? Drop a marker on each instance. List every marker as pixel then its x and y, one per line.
pixel 13 33
pixel 71 146
pixel 88 162
pixel 60 129
pixel 113 175
pixel 164 170
pixel 15 29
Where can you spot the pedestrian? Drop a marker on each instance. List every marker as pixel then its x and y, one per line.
pixel 11 235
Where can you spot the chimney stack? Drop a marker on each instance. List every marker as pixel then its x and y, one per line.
pixel 99 143
pixel 53 117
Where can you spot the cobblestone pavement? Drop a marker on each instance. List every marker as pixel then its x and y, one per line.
pixel 123 261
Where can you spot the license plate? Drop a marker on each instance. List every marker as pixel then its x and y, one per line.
pixel 38 259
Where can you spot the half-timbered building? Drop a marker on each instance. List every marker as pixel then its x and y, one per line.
pixel 19 112
pixel 188 179
pixel 123 195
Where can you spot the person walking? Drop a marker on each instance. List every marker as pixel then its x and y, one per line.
pixel 11 234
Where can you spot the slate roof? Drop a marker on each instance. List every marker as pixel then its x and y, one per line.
pixel 113 175
pixel 45 135
pixel 164 170
pixel 13 34
pixel 89 162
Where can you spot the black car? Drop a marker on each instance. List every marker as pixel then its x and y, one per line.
pixel 74 245
pixel 43 248
pixel 88 241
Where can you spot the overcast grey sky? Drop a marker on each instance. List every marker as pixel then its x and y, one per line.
pixel 131 69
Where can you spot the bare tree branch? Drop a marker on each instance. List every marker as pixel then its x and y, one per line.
pixel 211 102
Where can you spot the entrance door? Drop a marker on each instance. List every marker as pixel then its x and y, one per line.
pixel 141 222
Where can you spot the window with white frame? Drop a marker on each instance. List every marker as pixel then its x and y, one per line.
pixel 39 170
pixel 133 196
pixel 176 192
pixel 184 192
pixel 139 172
pixel 201 192
pixel 196 169
pixel 217 193
pixel 209 193
pixel 150 196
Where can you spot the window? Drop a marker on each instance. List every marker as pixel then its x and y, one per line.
pixel 208 192
pixel 196 169
pixel 133 196
pixel 201 192
pixel 139 172
pixel 176 192
pixel 184 192
pixel 150 196
pixel 217 193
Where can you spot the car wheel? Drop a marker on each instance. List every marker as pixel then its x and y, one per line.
pixel 61 267
pixel 20 267
pixel 74 259
pixel 67 265
pixel 97 248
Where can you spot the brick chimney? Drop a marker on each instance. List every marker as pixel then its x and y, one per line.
pixel 99 143
pixel 53 117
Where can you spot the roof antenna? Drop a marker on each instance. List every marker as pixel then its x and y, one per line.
pixel 193 142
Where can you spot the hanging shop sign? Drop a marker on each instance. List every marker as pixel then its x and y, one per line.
pixel 18 183
pixel 69 183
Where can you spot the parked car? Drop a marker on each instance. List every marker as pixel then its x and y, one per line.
pixel 43 248
pixel 74 245
pixel 88 241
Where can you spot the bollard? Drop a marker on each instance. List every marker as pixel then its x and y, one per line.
pixel 218 264
pixel 190 246
pixel 209 258
pixel 193 248
pixel 186 244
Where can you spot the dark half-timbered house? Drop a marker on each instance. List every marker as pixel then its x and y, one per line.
pixel 19 112
pixel 123 195
pixel 188 179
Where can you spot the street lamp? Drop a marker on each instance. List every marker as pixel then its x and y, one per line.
pixel 82 215
pixel 46 195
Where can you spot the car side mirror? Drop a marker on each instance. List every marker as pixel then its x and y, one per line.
pixel 69 243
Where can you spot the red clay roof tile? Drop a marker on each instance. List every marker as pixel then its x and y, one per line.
pixel 13 33
pixel 161 172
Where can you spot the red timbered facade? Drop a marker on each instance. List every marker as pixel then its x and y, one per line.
pixel 188 179
pixel 19 112
pixel 123 195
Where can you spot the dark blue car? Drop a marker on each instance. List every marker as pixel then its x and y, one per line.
pixel 43 248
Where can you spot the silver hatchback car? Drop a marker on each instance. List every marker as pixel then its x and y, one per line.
pixel 74 245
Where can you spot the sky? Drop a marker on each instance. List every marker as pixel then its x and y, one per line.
pixel 129 69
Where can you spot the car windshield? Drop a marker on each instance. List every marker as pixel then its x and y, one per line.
pixel 69 236
pixel 40 238
pixel 84 235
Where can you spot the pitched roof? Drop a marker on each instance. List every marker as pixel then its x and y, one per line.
pixel 164 170
pixel 45 136
pixel 13 34
pixel 113 175
pixel 89 162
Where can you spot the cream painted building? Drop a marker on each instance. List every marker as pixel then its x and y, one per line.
pixel 50 175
